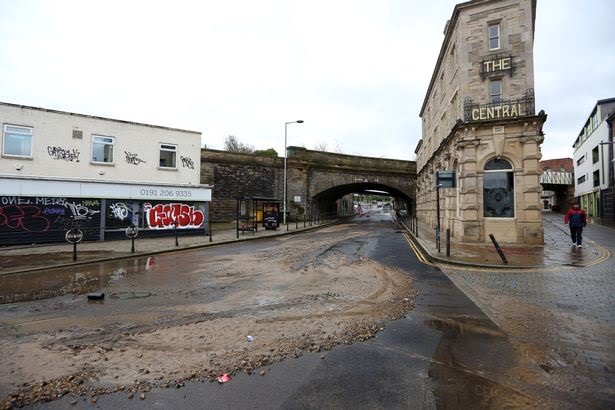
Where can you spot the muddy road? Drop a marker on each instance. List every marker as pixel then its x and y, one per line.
pixel 194 314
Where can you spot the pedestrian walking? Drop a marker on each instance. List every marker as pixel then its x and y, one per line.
pixel 576 219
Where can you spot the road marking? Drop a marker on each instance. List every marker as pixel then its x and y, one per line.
pixel 417 251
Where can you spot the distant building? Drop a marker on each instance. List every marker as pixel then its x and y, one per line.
pixel 479 121
pixel 593 161
pixel 609 211
pixel 60 169
pixel 557 180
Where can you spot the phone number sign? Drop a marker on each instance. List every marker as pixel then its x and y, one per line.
pixel 173 193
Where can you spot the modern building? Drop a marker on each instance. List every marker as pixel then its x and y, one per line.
pixel 60 170
pixel 479 125
pixel 593 162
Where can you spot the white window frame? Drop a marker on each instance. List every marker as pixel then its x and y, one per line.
pixel 94 136
pixel 497 37
pixel 30 133
pixel 163 146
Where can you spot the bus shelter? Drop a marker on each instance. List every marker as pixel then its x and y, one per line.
pixel 252 211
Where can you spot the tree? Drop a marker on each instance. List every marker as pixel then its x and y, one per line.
pixel 232 144
pixel 266 152
pixel 321 146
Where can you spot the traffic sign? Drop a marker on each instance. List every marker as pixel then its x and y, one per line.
pixel 74 235
pixel 132 231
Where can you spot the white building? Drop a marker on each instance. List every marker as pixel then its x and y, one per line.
pixel 592 187
pixel 58 169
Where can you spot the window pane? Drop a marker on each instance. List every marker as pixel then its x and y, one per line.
pixel 495 91
pixel 494 36
pixel 17 141
pixel 102 149
pixel 497 164
pixel 167 159
pixel 498 194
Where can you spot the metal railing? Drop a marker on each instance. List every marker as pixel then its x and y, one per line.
pixel 500 109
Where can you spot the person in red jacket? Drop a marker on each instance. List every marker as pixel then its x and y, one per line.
pixel 576 219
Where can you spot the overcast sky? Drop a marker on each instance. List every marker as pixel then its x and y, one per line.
pixel 356 71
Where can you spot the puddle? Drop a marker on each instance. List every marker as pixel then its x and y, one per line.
pixel 131 295
pixel 29 286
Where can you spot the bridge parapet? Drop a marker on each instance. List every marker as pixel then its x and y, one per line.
pixel 354 163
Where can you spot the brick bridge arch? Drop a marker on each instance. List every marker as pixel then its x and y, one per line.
pixel 314 178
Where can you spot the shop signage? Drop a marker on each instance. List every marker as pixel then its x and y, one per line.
pixel 496 64
pixel 497 111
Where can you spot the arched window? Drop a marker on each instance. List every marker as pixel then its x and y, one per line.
pixel 499 189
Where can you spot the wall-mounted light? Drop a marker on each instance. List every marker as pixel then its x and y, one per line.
pixel 101 172
pixel 18 167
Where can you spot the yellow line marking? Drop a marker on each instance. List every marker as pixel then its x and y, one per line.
pixel 417 251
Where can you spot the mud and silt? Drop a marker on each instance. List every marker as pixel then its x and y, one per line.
pixel 188 316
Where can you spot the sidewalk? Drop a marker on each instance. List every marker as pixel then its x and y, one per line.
pixel 38 257
pixel 557 250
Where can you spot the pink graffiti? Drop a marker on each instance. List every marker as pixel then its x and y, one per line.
pixel 163 216
pixel 23 217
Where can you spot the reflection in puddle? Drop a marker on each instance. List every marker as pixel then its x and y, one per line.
pixel 131 295
pixel 29 286
pixel 466 344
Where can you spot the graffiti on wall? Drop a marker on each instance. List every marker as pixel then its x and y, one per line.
pixel 64 153
pixel 43 214
pixel 80 210
pixel 165 216
pixel 120 211
pixel 133 159
pixel 187 162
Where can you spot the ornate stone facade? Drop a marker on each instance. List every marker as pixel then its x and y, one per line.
pixel 479 120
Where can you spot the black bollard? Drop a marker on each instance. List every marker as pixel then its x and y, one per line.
pixel 176 241
pixel 448 242
pixel 497 248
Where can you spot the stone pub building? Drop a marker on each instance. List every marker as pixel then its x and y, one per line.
pixel 479 121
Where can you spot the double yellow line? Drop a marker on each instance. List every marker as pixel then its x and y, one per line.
pixel 419 254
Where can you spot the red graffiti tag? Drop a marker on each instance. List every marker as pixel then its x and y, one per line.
pixel 23 217
pixel 163 216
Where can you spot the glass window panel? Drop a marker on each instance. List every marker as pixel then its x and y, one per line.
pixel 167 159
pixel 497 164
pixel 495 91
pixel 494 36
pixel 17 141
pixel 102 149
pixel 498 194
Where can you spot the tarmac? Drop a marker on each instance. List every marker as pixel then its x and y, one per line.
pixel 556 251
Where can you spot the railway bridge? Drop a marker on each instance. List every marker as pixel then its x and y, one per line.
pixel 316 180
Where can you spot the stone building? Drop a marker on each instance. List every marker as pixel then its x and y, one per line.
pixel 479 121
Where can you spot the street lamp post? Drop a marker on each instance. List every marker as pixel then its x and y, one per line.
pixel 286 155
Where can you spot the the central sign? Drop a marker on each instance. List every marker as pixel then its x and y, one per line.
pixel 505 110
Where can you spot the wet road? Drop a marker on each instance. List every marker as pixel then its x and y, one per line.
pixel 444 354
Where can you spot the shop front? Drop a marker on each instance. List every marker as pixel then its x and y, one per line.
pixel 42 211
